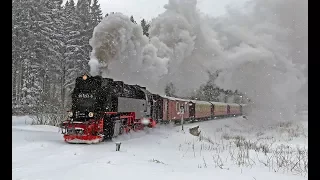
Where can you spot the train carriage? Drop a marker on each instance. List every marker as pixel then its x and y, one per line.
pixel 171 107
pixel 234 109
pixel 219 109
pixel 203 110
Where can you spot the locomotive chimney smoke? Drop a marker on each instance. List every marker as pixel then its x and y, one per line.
pixel 94 67
pixel 261 49
pixel 124 53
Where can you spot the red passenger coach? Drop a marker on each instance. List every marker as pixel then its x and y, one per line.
pixel 172 108
pixel 195 110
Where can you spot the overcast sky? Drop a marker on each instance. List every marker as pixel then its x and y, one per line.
pixel 149 9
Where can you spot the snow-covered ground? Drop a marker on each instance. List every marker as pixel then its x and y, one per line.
pixel 228 149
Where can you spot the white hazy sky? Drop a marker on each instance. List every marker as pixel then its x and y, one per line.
pixel 149 9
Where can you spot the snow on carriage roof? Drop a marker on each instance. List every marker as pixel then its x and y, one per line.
pixel 175 99
pixel 201 102
pixel 188 100
pixel 234 104
pixel 218 103
pixel 194 101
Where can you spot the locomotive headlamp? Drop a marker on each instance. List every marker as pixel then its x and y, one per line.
pixel 84 77
pixel 145 121
pixel 90 114
pixel 70 114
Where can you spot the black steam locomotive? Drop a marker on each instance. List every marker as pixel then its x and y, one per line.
pixel 94 94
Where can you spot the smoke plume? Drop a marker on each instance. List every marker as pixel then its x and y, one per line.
pixel 122 52
pixel 266 50
pixel 260 48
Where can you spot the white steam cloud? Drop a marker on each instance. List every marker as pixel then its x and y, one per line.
pixel 265 47
pixel 261 49
pixel 122 52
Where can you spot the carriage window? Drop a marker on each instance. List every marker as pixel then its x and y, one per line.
pixel 177 106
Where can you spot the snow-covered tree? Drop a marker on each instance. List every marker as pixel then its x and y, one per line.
pixel 75 56
pixel 96 13
pixel 170 90
pixel 55 19
pixel 132 20
pixel 50 48
pixel 19 23
pixel 86 30
pixel 28 64
pixel 145 27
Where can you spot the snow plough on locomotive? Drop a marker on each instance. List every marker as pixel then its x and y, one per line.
pixel 103 109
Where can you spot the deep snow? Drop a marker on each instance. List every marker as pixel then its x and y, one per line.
pixel 39 152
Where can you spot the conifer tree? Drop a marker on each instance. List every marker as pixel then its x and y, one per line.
pixel 96 13
pixel 145 27
pixel 132 20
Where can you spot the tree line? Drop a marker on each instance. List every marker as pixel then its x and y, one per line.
pixel 50 48
pixel 210 92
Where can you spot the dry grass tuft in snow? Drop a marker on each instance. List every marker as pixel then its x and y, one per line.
pixel 270 148
pixel 156 161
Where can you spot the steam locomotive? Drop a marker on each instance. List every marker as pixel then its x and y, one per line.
pixel 103 108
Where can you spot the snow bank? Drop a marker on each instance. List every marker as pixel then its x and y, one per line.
pixel 162 153
pixel 21 120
